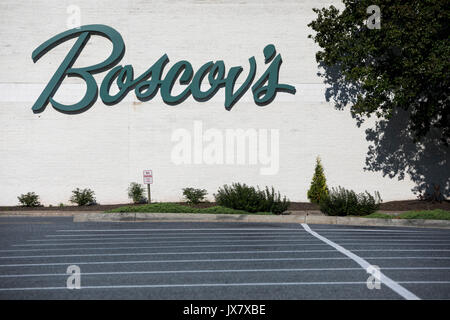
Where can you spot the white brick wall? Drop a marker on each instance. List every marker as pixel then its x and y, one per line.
pixel 107 147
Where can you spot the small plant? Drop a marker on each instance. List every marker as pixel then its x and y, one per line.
pixel 136 193
pixel 242 197
pixel 343 202
pixel 83 197
pixel 29 199
pixel 318 188
pixel 194 196
pixel 274 203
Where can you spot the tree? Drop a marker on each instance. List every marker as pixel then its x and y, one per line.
pixel 136 193
pixel 318 189
pixel 403 65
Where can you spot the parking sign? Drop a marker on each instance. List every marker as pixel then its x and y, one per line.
pixel 148 177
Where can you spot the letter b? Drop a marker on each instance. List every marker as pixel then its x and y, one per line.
pixel 65 69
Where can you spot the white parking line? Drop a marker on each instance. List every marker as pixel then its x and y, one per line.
pixel 405 293
pixel 359 237
pixel 352 244
pixel 358 229
pixel 214 271
pixel 156 247
pixel 164 242
pixel 212 260
pixel 174 237
pixel 166 253
pixel 176 230
pixel 179 272
pixel 391 241
pixel 219 285
pixel 186 233
pixel 212 252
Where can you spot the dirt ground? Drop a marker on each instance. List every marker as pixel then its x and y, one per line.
pixel 404 205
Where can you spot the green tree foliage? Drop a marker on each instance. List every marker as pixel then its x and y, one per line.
pixel 84 197
pixel 343 202
pixel 402 65
pixel 194 196
pixel 242 197
pixel 136 193
pixel 29 199
pixel 318 188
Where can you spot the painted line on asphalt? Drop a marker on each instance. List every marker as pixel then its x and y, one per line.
pixel 176 241
pixel 403 292
pixel 213 271
pixel 218 285
pixel 78 248
pixel 165 261
pixel 211 260
pixel 156 247
pixel 365 237
pixel 361 229
pixel 176 230
pixel 178 271
pixel 143 234
pixel 358 229
pixel 391 241
pixel 212 252
pixel 174 237
pixel 166 253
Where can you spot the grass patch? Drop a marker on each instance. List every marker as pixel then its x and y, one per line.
pixel 378 215
pixel 437 214
pixel 165 207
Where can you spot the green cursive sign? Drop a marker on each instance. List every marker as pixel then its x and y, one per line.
pixel 147 84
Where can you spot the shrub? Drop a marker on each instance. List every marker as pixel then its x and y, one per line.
pixel 274 203
pixel 194 196
pixel 318 188
pixel 83 197
pixel 136 193
pixel 342 202
pixel 242 197
pixel 29 199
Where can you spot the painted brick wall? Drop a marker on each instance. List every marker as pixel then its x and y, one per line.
pixel 107 147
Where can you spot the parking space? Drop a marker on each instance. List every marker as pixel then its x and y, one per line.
pixel 218 260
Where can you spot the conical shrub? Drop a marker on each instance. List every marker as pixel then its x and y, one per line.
pixel 318 189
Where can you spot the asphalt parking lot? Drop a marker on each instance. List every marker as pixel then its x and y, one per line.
pixel 175 260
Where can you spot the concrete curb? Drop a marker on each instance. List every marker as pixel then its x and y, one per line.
pixel 39 213
pixel 310 219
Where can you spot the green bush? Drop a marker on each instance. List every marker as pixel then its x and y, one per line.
pixel 242 197
pixel 194 196
pixel 318 188
pixel 136 193
pixel 161 207
pixel 342 202
pixel 83 197
pixel 29 199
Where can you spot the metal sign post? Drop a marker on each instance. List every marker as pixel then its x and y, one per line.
pixel 148 180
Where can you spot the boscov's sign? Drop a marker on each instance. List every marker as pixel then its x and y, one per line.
pixel 147 84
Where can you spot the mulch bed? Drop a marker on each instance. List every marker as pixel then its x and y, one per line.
pixel 404 205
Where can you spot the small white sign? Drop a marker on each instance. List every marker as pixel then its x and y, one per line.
pixel 148 177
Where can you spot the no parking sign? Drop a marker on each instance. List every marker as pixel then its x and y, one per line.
pixel 148 177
